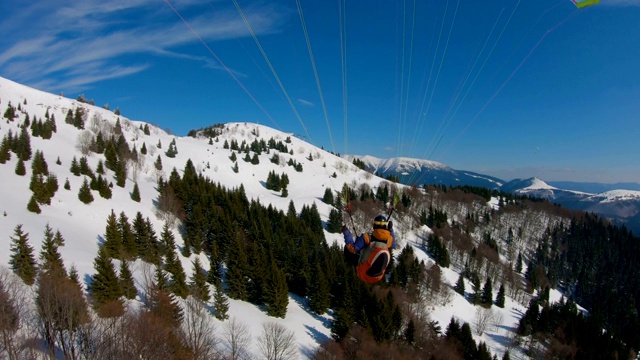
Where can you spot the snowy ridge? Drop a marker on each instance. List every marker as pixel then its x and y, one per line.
pixel 538 184
pixel 412 171
pixel 618 195
pixel 398 164
pixel 83 226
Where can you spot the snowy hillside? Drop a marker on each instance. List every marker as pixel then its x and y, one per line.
pixel 620 206
pixel 419 171
pixel 83 226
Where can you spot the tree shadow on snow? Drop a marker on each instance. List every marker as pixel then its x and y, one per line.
pixel 88 280
pixel 302 302
pixel 318 336
pixel 101 240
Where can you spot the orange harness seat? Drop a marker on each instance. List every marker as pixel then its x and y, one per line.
pixel 375 258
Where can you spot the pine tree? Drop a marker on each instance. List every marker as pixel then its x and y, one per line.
pixel 67 186
pixel 334 224
pixel 105 285
pixel 178 284
pixel 135 194
pixel 127 237
pixel 220 303
pixel 85 169
pixel 215 265
pixel 146 240
pixel 58 239
pixel 112 237
pixel 519 263
pixel 483 352
pixel 5 150
pixel 78 118
pixel 500 297
pixel 110 156
pixel 103 187
pixel 459 287
pixel 469 348
pixel 10 113
pixel 328 196
pixel 39 164
pixel 487 293
pixel 50 259
pixel 341 324
pixel 42 191
pixel 20 169
pixel 100 168
pixel 237 268
pixel 146 129
pixel 161 279
pixel 22 261
pixel 198 284
pixel 126 281
pixel 276 292
pixel 23 145
pixel 75 168
pixel 319 292
pixel 33 205
pixel 121 173
pixel 172 151
pixel 50 188
pixel 158 163
pixel 143 149
pixel 84 194
pixel 69 117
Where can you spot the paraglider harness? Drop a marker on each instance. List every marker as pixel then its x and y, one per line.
pixel 375 256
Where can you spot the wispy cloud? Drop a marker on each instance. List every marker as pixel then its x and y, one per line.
pixel 388 148
pixel 305 102
pixel 68 45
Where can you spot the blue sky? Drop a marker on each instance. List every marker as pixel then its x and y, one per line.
pixel 511 88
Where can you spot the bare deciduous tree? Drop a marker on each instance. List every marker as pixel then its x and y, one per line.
pixel 135 167
pixel 482 320
pixel 14 314
pixel 496 320
pixel 84 142
pixel 169 206
pixel 276 342
pixel 100 125
pixel 237 335
pixel 199 330
pixel 62 309
pixel 9 322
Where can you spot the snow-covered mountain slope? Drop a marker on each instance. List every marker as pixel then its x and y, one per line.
pixel 620 206
pixel 419 171
pixel 83 226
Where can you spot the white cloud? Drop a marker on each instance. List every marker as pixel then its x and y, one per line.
pixel 76 43
pixel 305 102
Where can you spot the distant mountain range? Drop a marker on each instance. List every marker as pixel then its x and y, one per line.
pixel 418 171
pixel 618 202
